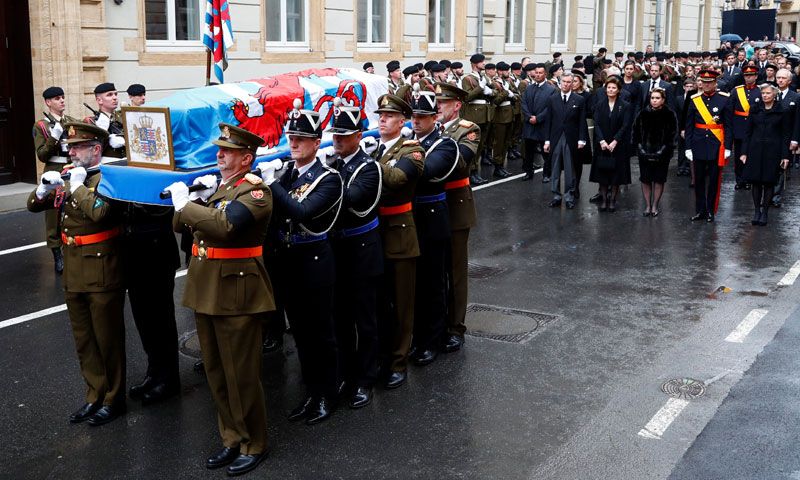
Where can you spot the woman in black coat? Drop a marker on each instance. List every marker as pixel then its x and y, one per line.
pixel 766 149
pixel 654 132
pixel 611 166
pixel 585 153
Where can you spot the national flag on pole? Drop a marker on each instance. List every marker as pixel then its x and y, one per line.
pixel 218 34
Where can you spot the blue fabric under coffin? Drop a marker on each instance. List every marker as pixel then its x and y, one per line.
pixel 143 185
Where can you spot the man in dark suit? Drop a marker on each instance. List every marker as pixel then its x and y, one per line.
pixel 731 74
pixel 654 81
pixel 567 133
pixel 535 114
pixel 681 103
pixel 359 259
pixel 789 99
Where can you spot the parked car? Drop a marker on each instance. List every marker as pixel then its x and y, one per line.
pixel 788 50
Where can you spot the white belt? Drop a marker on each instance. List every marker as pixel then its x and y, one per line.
pixel 56 159
pixel 478 102
pixel 505 104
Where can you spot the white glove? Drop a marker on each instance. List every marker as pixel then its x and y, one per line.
pixel 210 182
pixel 56 131
pixel 487 91
pixel 727 153
pixel 391 162
pixel 76 178
pixel 180 195
pixel 406 132
pixel 688 154
pixel 482 82
pixel 511 95
pixel 50 181
pixel 268 170
pixel 103 121
pixel 116 141
pixel 369 144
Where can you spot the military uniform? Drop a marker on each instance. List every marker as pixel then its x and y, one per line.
pixel 502 123
pixel 115 128
pixel 391 67
pixel 477 109
pixel 402 163
pixel 228 288
pixel 742 99
pixel 93 283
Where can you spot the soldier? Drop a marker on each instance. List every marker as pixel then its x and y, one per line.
pixel 307 203
pixel 457 73
pixel 708 142
pixel 477 109
pixel 517 85
pixel 505 99
pixel 433 228
pixel 402 163
pixel 369 67
pixel 460 207
pixel 109 119
pixel 412 77
pixel 229 290
pixel 48 134
pixel 742 99
pixel 439 72
pixel 395 76
pixel 359 258
pixel 555 61
pixel 136 94
pixel 93 286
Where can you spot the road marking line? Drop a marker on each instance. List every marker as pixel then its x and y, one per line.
pixel 746 326
pixel 657 425
pixel 49 311
pixel 22 248
pixel 791 275
pixel 504 180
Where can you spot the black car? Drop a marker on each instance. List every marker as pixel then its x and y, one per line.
pixel 789 50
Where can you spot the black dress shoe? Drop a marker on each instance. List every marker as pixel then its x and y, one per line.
pixel 270 345
pixel 106 414
pixel 476 180
pixel 762 219
pixel 424 357
pixel 361 397
pixel 453 343
pixel 545 179
pixel 161 391
pixel 698 217
pixel 86 411
pixel 596 198
pixel 554 203
pixel 58 260
pixel 301 410
pixel 396 379
pixel 199 367
pixel 321 410
pixel 710 218
pixel 500 172
pixel 222 458
pixel 137 391
pixel 570 205
pixel 244 464
pixel 577 194
pixel 528 176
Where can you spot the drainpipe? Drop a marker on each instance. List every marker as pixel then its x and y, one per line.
pixel 657 40
pixel 479 42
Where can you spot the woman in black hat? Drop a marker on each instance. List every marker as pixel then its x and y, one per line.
pixel 766 149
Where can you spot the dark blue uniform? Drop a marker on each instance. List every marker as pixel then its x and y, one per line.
pixel 740 120
pixel 433 232
pixel 359 259
pixel 705 148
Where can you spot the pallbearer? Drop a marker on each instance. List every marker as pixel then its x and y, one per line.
pixel 359 258
pixel 228 288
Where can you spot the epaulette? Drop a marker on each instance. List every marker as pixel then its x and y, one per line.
pixel 465 123
pixel 724 94
pixel 252 178
pixel 697 94
pixel 411 143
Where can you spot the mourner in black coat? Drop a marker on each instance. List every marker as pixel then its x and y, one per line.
pixel 611 127
pixel 766 149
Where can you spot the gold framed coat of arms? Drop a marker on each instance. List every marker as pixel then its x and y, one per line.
pixel 148 137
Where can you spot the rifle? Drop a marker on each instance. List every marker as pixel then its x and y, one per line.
pixel 114 127
pixel 50 119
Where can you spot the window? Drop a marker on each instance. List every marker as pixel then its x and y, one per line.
pixel 515 23
pixel 600 22
pixel 668 26
pixel 441 14
pixel 793 29
pixel 700 21
pixel 173 23
pixel 630 24
pixel 558 26
pixel 373 24
pixel 287 24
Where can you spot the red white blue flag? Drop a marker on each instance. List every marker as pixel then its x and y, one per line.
pixel 218 35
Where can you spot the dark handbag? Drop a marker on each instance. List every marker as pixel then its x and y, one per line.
pixel 606 160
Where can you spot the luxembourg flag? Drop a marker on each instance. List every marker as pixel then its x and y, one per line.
pixel 218 35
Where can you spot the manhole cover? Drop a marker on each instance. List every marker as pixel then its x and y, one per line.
pixel 504 324
pixel 189 345
pixel 476 270
pixel 686 388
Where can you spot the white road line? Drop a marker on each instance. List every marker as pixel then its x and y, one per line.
pixel 22 248
pixel 791 275
pixel 746 326
pixel 498 182
pixel 49 311
pixel 657 425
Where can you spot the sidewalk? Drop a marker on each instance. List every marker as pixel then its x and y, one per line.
pixel 14 196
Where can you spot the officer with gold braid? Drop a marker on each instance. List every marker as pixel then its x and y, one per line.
pixel 228 288
pixel 742 99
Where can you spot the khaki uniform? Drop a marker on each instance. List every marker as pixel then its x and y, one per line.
pixel 400 244
pixel 477 109
pixel 393 87
pixel 50 152
pixel 518 87
pixel 461 207
pixel 229 296
pixel 114 128
pixel 502 123
pixel 93 287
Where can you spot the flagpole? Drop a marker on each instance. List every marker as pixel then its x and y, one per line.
pixel 208 67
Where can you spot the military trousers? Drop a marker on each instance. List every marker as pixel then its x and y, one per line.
pixel 430 312
pixel 357 328
pixel 396 323
pixel 231 348
pixel 52 233
pixel 501 140
pixel 706 183
pixel 458 282
pixel 98 326
pixel 475 165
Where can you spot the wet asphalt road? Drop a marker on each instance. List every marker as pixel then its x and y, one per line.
pixel 634 306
